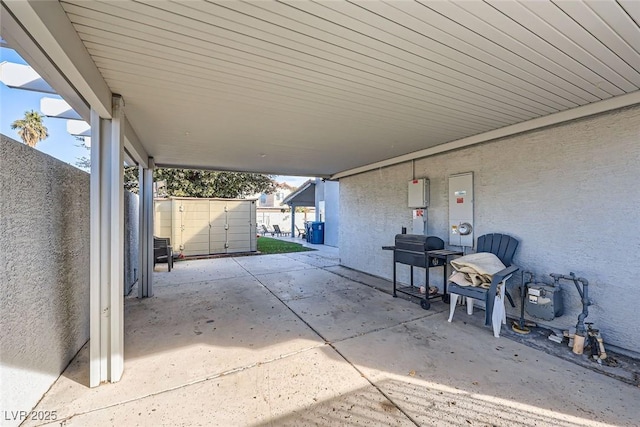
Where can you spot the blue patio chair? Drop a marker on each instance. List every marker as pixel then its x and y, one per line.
pixel 504 247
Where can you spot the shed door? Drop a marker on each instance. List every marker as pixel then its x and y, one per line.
pixel 239 227
pixel 217 222
pixel 195 227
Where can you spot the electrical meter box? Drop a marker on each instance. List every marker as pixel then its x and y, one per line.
pixel 461 209
pixel 419 193
pixel 544 301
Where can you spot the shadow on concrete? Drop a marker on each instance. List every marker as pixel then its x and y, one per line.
pixel 418 403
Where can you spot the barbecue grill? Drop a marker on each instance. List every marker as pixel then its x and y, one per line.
pixel 417 250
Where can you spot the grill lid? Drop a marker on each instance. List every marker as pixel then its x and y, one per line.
pixel 418 242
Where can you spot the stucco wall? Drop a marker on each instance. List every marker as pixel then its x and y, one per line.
pixel 327 197
pixel 44 273
pixel 332 213
pixel 569 193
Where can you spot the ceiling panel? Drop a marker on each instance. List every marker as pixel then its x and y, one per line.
pixel 316 88
pixel 571 44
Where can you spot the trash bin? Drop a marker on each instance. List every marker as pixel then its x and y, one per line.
pixel 307 231
pixel 317 233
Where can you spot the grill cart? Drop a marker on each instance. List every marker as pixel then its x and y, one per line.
pixel 417 250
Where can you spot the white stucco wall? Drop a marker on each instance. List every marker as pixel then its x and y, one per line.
pixel 328 209
pixel 44 273
pixel 569 193
pixel 331 212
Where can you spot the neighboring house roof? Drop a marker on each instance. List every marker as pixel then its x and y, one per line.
pixel 305 195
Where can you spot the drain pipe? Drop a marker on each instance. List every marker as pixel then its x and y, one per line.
pixel 578 341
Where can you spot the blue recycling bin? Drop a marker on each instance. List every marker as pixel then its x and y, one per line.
pixel 307 231
pixel 317 233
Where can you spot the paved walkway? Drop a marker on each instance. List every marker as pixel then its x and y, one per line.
pixel 295 339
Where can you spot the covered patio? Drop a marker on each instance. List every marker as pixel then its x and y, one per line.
pixel 539 100
pixel 296 339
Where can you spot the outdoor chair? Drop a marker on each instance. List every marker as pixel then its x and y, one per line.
pixel 279 232
pixel 162 251
pixel 265 231
pixel 504 247
pixel 301 233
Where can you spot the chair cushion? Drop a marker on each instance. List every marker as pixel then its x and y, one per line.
pixel 476 269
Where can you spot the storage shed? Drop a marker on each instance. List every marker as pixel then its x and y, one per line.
pixel 207 226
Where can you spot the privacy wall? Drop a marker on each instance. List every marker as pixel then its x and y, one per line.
pixel 44 273
pixel 570 194
pixel 44 239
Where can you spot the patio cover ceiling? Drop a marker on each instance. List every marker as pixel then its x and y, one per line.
pixel 335 87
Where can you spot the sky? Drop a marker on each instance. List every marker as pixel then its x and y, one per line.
pixel 15 102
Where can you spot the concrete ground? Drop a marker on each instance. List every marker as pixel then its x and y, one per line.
pixel 295 339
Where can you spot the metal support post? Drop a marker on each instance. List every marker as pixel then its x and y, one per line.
pixel 107 246
pixel 293 221
pixel 145 288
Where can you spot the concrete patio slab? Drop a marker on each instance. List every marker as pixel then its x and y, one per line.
pixel 346 313
pixel 317 259
pixel 184 334
pixel 295 391
pixel 360 277
pixel 250 350
pixel 298 284
pixel 444 373
pixel 270 264
pixel 198 271
pixel 383 285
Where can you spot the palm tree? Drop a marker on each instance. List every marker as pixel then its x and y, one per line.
pixel 32 130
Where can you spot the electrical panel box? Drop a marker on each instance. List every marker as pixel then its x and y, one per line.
pixel 544 301
pixel 461 209
pixel 419 221
pixel 419 193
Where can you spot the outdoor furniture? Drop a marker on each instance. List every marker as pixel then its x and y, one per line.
pixel 162 251
pixel 504 247
pixel 301 233
pixel 265 231
pixel 276 229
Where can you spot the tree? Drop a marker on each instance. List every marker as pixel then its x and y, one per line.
pixel 32 130
pixel 201 183
pixel 83 162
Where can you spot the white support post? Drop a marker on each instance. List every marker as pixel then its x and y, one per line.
pixel 107 247
pixel 116 350
pixel 97 364
pixel 145 180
